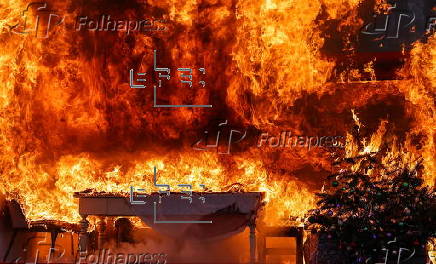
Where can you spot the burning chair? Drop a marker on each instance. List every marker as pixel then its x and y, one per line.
pixel 20 224
pixel 284 232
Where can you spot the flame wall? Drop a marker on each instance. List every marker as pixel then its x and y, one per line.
pixel 69 120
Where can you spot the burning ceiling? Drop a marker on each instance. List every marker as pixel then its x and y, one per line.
pixel 69 120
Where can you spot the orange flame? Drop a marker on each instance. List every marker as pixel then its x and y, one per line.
pixel 69 121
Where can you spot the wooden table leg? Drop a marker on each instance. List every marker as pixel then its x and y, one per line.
pixel 83 235
pixel 261 244
pixel 101 229
pixel 299 246
pixel 252 226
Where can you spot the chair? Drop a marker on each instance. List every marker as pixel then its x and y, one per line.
pixel 296 232
pixel 20 224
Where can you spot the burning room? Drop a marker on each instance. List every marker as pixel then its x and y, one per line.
pixel 218 131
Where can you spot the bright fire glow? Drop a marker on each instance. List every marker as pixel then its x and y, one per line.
pixel 69 121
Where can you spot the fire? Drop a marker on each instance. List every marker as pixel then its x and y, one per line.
pixel 419 88
pixel 82 172
pixel 70 122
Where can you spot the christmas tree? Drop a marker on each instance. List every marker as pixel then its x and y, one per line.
pixel 377 214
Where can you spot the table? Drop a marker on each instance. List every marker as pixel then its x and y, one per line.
pixel 206 214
